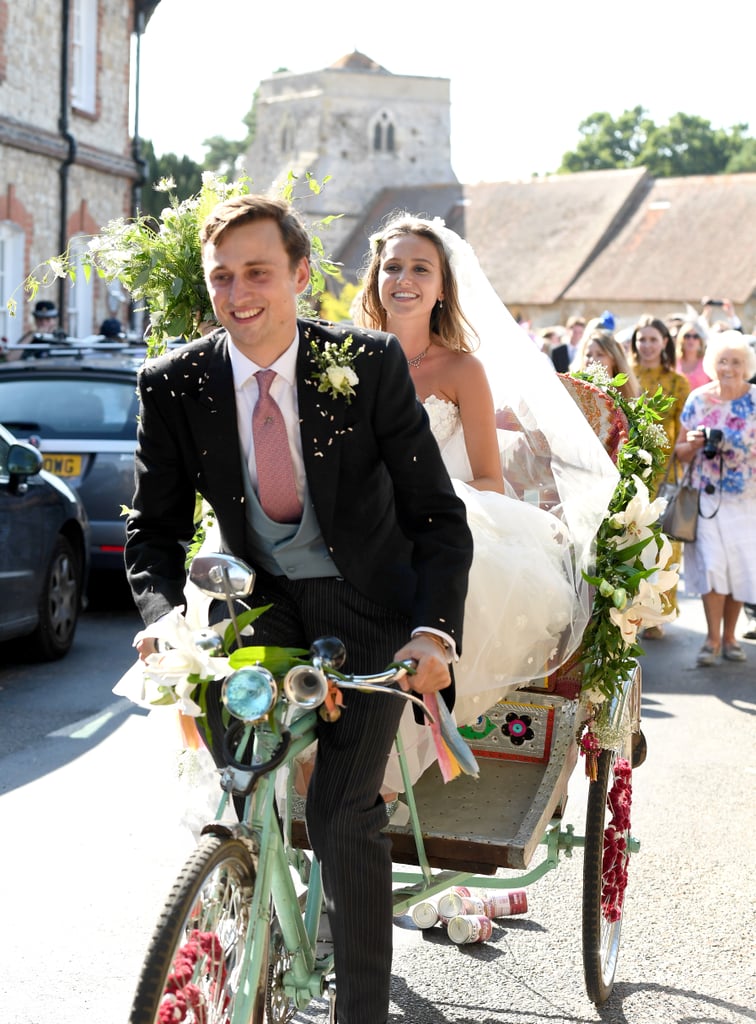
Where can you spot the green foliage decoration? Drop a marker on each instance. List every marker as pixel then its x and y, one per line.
pixel 159 261
pixel 607 656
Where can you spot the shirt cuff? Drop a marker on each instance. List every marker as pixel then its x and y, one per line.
pixel 448 641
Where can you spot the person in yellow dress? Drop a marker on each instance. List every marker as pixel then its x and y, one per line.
pixel 653 358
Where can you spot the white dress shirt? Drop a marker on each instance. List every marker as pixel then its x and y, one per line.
pixel 284 391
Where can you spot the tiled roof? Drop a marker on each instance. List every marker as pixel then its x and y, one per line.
pixel 595 236
pixel 689 237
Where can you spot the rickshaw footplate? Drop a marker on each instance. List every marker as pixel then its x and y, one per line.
pixel 497 820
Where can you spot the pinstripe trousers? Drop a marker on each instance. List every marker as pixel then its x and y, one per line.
pixel 345 812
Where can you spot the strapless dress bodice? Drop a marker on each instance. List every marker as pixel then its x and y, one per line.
pixel 443 416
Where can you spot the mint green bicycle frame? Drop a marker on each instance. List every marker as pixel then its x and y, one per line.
pixel 298 915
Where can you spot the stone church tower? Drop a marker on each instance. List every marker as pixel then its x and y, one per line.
pixel 355 121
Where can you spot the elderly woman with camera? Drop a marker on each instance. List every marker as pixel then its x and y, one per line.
pixel 720 423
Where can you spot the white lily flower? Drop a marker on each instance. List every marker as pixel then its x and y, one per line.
pixel 221 627
pixel 638 517
pixel 645 610
pixel 659 559
pixel 628 622
pixel 167 672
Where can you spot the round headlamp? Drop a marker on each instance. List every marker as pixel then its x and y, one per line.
pixel 249 693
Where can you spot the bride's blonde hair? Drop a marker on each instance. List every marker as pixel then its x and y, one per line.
pixel 447 319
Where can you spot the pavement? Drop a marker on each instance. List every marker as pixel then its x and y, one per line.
pixel 673 658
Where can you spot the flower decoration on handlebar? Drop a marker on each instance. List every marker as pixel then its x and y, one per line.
pixel 633 570
pixel 177 675
pixel 160 264
pixel 335 368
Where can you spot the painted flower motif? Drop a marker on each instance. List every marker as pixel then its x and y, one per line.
pixel 335 374
pixel 517 728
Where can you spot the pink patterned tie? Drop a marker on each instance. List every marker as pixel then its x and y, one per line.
pixel 275 471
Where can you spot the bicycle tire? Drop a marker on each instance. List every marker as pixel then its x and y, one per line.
pixel 602 919
pixel 199 939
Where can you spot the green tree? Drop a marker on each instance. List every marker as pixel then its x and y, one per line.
pixel 608 144
pixel 744 160
pixel 686 145
pixel 689 145
pixel 222 154
pixel 185 172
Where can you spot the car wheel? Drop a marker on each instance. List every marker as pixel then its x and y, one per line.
pixel 59 604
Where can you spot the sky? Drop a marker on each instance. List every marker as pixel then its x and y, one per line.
pixel 522 76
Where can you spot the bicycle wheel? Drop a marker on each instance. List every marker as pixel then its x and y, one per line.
pixel 191 972
pixel 607 830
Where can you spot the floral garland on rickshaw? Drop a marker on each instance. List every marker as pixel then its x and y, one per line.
pixel 631 577
pixel 633 571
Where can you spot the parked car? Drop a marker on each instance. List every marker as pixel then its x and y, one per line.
pixel 44 545
pixel 81 410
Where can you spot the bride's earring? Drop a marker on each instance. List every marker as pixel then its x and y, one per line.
pixel 440 303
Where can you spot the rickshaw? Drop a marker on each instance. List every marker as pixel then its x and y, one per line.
pixel 240 938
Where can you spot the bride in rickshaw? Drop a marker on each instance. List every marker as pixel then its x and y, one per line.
pixel 535 477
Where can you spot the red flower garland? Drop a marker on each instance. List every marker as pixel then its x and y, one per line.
pixel 181 993
pixel 616 857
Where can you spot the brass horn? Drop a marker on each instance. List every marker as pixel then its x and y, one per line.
pixel 305 686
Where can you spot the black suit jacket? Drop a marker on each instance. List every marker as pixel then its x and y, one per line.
pixel 383 499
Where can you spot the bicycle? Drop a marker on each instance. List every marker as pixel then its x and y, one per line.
pixel 237 941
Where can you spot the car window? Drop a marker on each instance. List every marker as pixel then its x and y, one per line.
pixel 57 407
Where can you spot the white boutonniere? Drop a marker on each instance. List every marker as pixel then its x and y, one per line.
pixel 335 368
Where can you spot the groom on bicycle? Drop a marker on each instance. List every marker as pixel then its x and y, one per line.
pixel 343 506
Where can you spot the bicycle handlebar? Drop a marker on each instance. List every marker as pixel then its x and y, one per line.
pixel 309 686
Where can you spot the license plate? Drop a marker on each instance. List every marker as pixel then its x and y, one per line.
pixel 62 465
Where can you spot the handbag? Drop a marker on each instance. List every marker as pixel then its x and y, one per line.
pixel 680 518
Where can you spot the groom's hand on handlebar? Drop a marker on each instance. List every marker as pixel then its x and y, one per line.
pixel 432 668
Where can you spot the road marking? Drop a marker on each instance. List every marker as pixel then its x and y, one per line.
pixel 87 727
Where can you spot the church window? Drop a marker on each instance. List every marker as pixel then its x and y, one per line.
pixel 384 133
pixel 287 137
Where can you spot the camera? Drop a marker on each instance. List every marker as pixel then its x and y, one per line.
pixel 713 438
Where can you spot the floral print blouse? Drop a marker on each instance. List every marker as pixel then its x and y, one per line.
pixel 737 420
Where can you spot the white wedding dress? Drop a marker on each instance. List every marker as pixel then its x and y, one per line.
pixel 520 596
pixel 523 602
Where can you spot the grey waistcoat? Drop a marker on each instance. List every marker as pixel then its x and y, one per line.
pixel 296 550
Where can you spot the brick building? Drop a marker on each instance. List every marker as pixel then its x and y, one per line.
pixel 67 159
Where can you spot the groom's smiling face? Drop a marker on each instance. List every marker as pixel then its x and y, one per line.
pixel 254 288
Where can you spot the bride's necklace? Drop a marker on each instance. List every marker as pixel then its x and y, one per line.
pixel 416 360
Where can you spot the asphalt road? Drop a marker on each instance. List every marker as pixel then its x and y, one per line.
pixel 90 817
